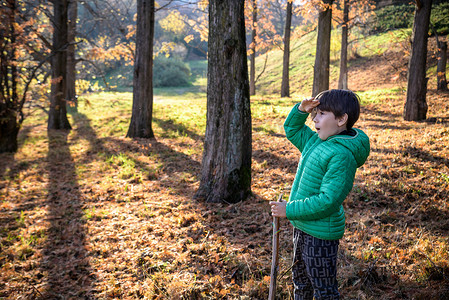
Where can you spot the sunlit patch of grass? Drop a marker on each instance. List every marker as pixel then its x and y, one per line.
pixel 380 96
pixel 109 112
pixel 180 118
pixel 126 165
pixel 377 44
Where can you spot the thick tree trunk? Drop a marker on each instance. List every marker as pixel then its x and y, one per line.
pixel 343 79
pixel 71 62
pixel 252 57
pixel 415 106
pixel 226 165
pixel 441 66
pixel 57 118
pixel 142 111
pixel 285 86
pixel 322 56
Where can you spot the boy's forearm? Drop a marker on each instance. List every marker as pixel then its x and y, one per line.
pixel 301 109
pixel 296 118
pixel 295 130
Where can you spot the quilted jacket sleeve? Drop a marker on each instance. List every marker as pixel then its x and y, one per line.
pixel 296 130
pixel 335 186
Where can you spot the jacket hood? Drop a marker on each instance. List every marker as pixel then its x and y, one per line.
pixel 358 145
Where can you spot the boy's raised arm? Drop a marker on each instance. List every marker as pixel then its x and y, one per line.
pixel 297 133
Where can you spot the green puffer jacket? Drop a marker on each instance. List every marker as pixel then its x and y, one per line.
pixel 324 177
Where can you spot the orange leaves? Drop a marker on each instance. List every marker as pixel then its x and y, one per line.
pixel 203 4
pixel 174 22
pixel 189 38
pixel 375 240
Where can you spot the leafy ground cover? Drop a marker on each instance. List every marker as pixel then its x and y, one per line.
pixel 91 214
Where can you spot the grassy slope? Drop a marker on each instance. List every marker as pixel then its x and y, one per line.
pixel 302 59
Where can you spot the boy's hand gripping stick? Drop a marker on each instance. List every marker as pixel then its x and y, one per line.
pixel 274 261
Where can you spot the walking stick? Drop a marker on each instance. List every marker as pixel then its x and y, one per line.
pixel 274 259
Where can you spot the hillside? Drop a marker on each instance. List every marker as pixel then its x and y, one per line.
pixel 378 61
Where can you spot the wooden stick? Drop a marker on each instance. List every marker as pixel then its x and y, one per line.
pixel 274 260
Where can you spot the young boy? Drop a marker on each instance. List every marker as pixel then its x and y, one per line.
pixel 325 175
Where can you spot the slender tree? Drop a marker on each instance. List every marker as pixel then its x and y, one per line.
pixel 322 56
pixel 285 86
pixel 71 61
pixel 57 118
pixel 416 106
pixel 343 78
pixel 252 77
pixel 142 111
pixel 226 164
pixel 441 66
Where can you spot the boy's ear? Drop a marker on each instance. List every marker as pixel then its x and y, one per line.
pixel 341 121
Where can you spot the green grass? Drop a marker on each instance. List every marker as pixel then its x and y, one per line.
pixel 379 95
pixel 302 60
pixel 374 45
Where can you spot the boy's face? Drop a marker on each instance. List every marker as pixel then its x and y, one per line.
pixel 326 124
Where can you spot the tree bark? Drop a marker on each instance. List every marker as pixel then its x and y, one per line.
pixel 343 79
pixel 322 56
pixel 9 129
pixel 57 118
pixel 71 61
pixel 252 57
pixel 142 111
pixel 285 86
pixel 441 66
pixel 415 106
pixel 9 124
pixel 226 165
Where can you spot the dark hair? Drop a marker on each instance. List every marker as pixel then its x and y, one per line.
pixel 340 102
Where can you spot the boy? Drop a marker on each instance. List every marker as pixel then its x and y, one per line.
pixel 325 175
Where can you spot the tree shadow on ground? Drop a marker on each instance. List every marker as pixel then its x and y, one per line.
pixel 9 170
pixel 173 162
pixel 270 132
pixel 396 188
pixel 7 160
pixel 178 128
pixel 65 264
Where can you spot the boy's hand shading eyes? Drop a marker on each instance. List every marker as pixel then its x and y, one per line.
pixel 307 105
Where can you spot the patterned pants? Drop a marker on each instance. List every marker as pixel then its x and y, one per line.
pixel 314 267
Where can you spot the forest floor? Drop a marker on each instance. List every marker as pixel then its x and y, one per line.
pixel 90 214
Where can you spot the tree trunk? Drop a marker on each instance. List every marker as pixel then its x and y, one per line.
pixel 441 66
pixel 226 165
pixel 71 62
pixel 285 87
pixel 343 79
pixel 415 106
pixel 57 118
pixel 9 129
pixel 142 111
pixel 322 56
pixel 9 124
pixel 252 57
